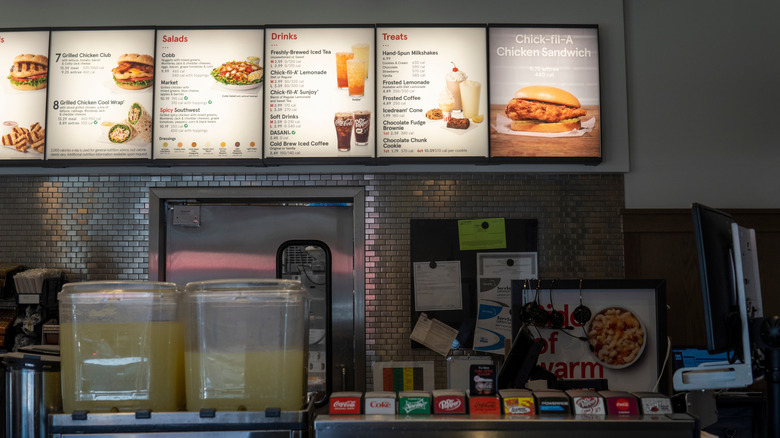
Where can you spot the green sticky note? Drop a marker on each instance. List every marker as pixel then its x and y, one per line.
pixel 482 234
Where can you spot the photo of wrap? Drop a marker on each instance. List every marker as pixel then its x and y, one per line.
pixel 141 121
pixel 120 133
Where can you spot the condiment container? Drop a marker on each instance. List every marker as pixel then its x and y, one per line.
pixel 246 344
pixel 121 347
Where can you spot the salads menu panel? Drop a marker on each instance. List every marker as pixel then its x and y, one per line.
pixel 320 96
pixel 23 94
pixel 544 93
pixel 100 94
pixel 208 93
pixel 432 92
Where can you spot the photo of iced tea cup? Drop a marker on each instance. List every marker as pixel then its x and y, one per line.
pixel 361 52
pixel 341 68
pixel 343 122
pixel 356 79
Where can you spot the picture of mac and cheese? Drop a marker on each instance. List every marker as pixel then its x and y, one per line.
pixel 617 336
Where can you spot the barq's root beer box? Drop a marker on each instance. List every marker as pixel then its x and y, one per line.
pixel 620 403
pixel 414 403
pixel 345 403
pixel 484 404
pixel 517 402
pixel 449 401
pixel 586 402
pixel 380 402
pixel 654 403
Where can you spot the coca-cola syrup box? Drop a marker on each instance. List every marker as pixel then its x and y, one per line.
pixel 517 402
pixel 620 403
pixel 414 403
pixel 345 403
pixel 449 401
pixel 484 404
pixel 587 402
pixel 380 402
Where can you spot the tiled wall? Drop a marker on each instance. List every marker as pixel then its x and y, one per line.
pixel 96 228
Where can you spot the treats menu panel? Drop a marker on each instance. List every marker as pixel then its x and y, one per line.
pixel 100 94
pixel 208 97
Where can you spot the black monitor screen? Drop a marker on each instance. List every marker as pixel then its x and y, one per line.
pixel 712 233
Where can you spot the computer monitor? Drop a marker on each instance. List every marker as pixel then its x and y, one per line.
pixel 520 364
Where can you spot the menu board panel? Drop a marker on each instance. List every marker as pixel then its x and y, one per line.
pixel 23 94
pixel 432 92
pixel 544 93
pixel 320 96
pixel 208 93
pixel 100 95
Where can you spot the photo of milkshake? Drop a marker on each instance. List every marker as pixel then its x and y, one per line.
pixel 454 78
pixel 446 103
pixel 469 95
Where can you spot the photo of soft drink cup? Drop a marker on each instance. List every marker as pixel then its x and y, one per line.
pixel 356 79
pixel 361 52
pixel 341 68
pixel 343 122
pixel 362 125
pixel 469 95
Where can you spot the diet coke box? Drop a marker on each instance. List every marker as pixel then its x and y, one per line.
pixel 654 403
pixel 484 404
pixel 517 402
pixel 414 403
pixel 380 402
pixel 345 403
pixel 620 403
pixel 586 402
pixel 449 401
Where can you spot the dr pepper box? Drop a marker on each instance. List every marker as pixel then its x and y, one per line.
pixel 414 403
pixel 449 401
pixel 484 404
pixel 654 403
pixel 620 403
pixel 552 402
pixel 517 402
pixel 345 403
pixel 587 402
pixel 380 402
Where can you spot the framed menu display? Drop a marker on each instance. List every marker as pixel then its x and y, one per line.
pixel 23 94
pixel 320 95
pixel 100 94
pixel 544 94
pixel 432 93
pixel 208 94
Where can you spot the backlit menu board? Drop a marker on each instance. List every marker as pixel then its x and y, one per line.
pixel 544 93
pixel 23 94
pixel 100 94
pixel 208 93
pixel 320 94
pixel 432 92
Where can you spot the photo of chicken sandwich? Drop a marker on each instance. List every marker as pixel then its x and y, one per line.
pixel 29 72
pixel 134 72
pixel 541 108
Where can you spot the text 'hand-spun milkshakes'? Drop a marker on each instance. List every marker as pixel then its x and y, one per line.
pixel 454 78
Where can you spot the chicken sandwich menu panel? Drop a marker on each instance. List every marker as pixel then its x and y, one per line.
pixel 320 94
pixel 100 95
pixel 544 93
pixel 23 94
pixel 208 93
pixel 432 92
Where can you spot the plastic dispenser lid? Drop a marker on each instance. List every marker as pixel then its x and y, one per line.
pixel 245 288
pixel 100 290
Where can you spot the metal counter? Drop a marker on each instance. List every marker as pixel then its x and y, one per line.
pixel 465 426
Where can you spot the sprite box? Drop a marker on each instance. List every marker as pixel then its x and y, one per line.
pixel 414 403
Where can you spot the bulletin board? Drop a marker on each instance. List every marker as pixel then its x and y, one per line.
pixel 438 240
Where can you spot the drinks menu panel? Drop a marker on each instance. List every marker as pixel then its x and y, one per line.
pixel 544 93
pixel 320 95
pixel 208 93
pixel 100 94
pixel 432 92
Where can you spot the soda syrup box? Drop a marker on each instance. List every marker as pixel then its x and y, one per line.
pixel 449 401
pixel 552 402
pixel 380 403
pixel 620 403
pixel 586 402
pixel 517 402
pixel 414 403
pixel 654 403
pixel 342 403
pixel 484 404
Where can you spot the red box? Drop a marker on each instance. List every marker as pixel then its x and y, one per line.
pixel 345 403
pixel 449 401
pixel 484 405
